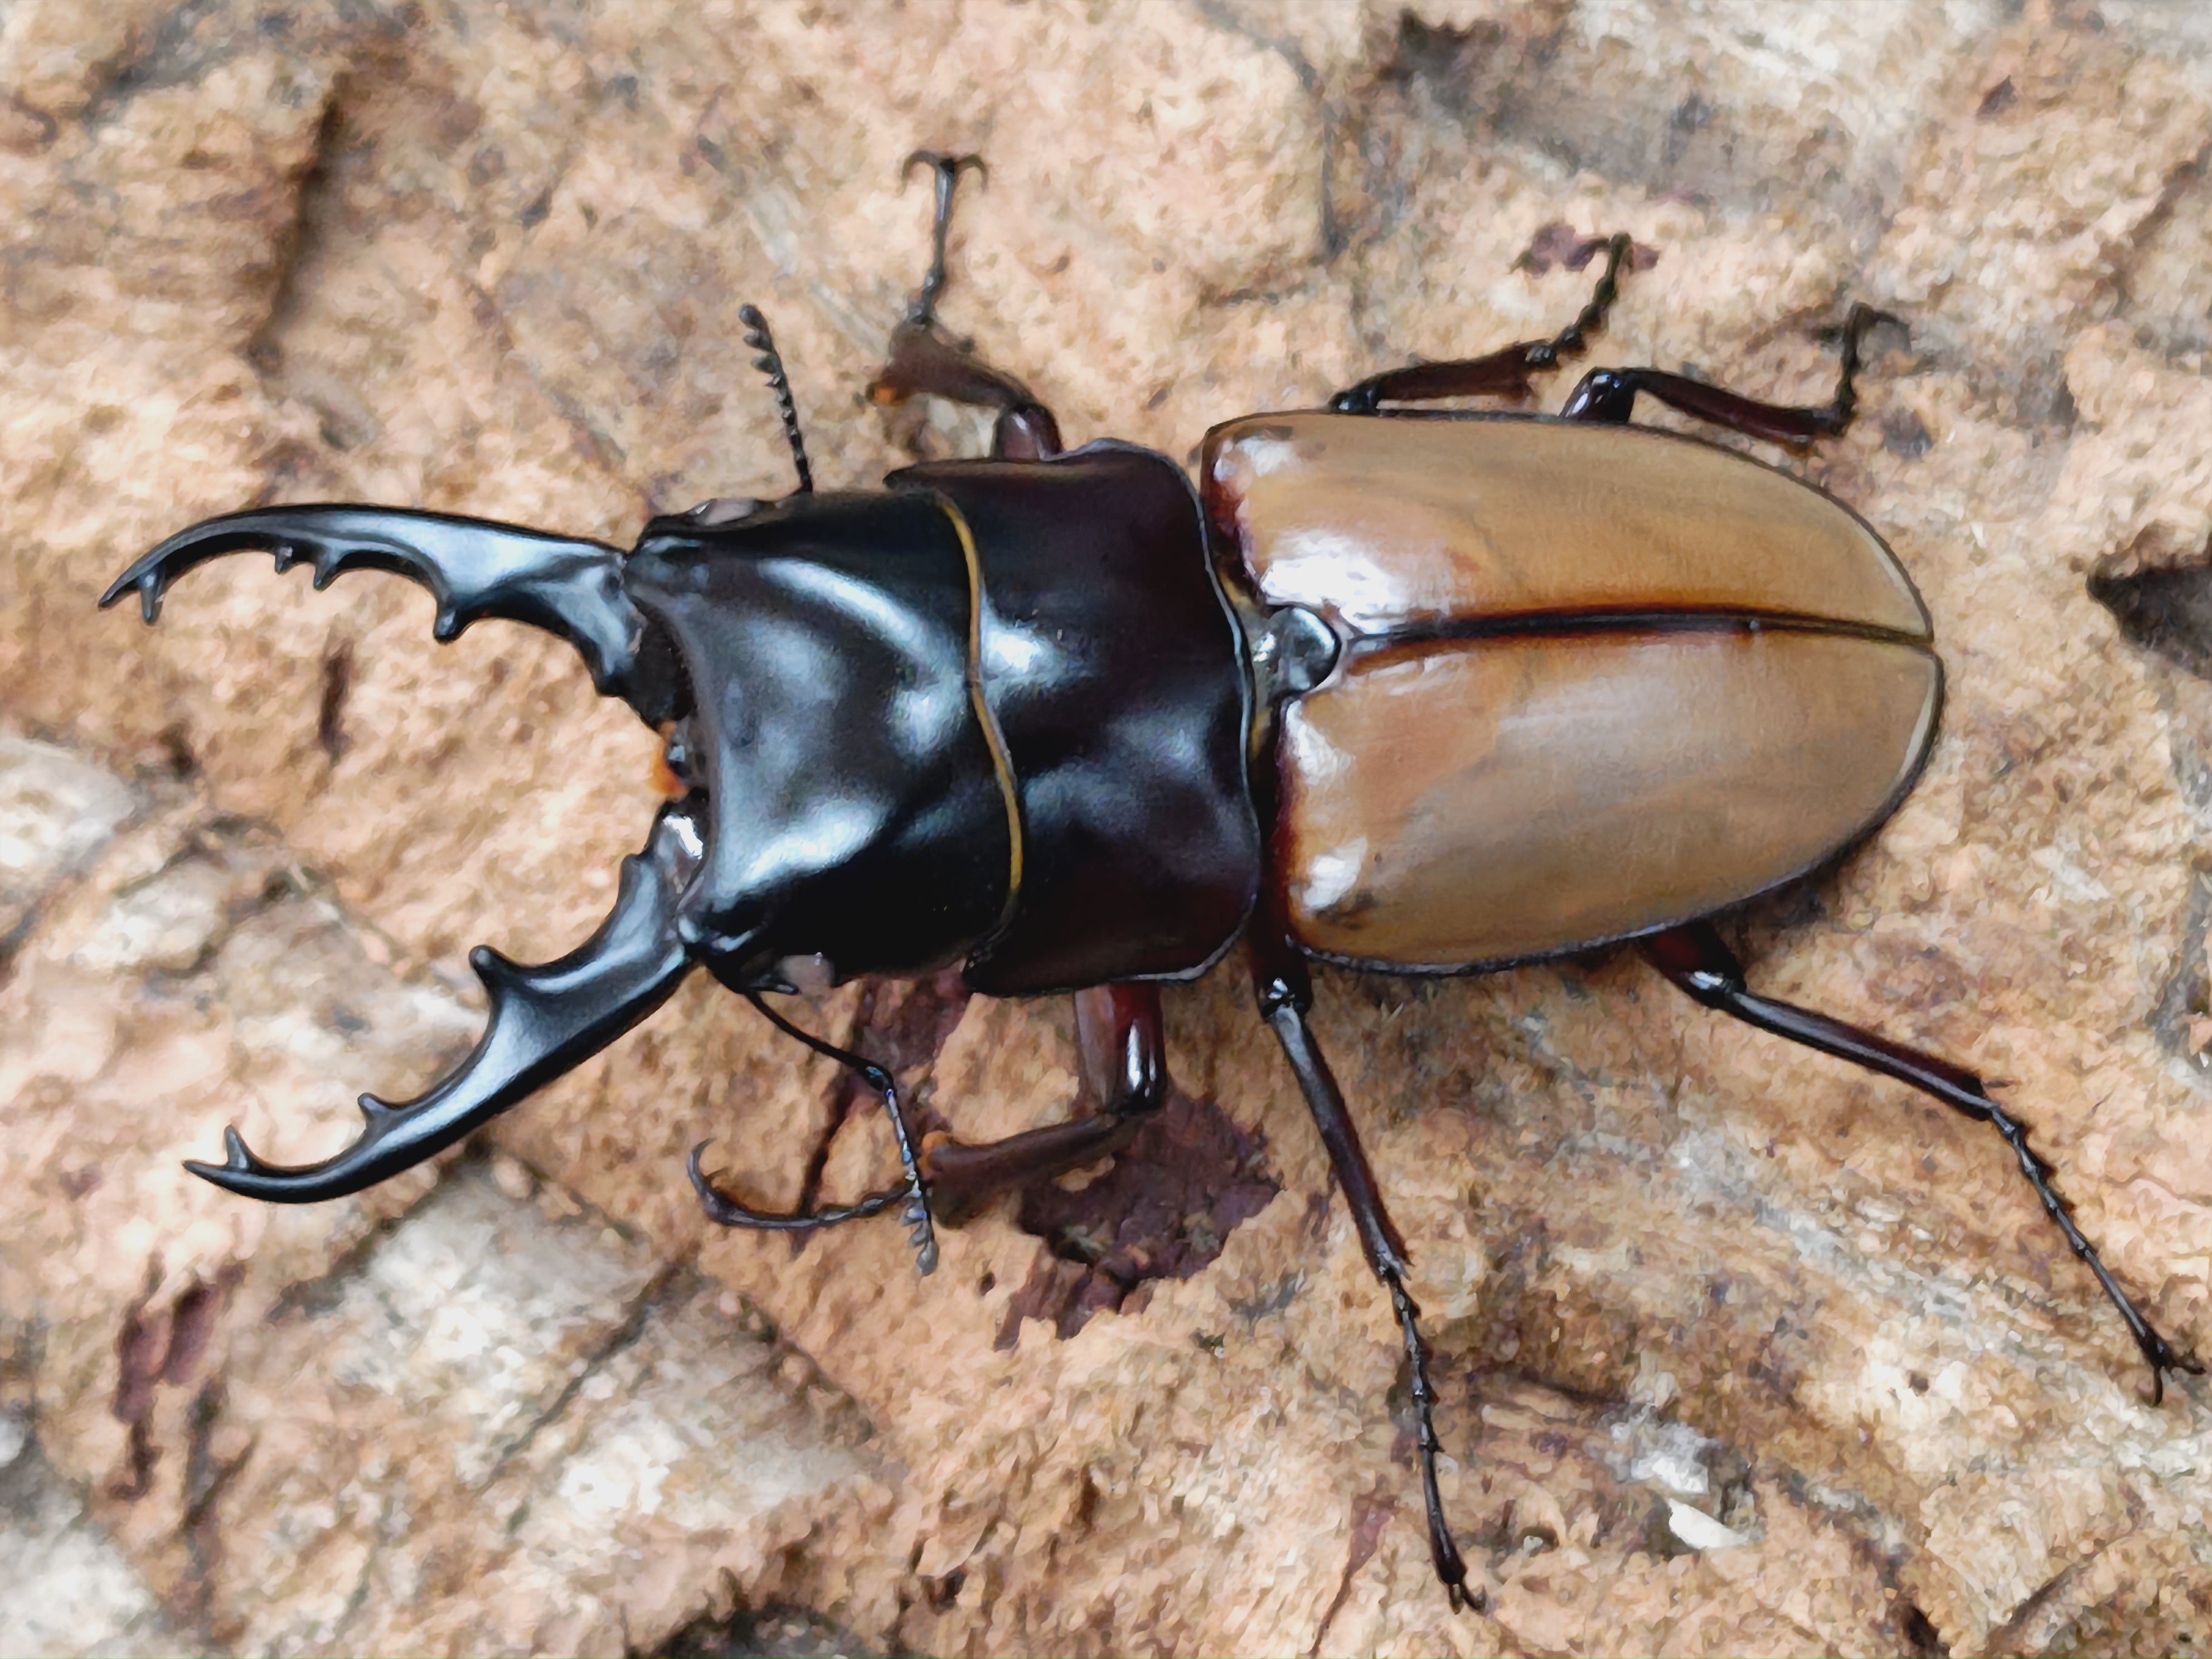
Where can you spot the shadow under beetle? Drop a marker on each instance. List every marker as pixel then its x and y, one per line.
pixel 1422 694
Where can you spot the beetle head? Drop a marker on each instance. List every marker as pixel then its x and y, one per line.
pixel 836 746
pixel 812 661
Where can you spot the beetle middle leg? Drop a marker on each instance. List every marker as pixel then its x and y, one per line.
pixel 1609 395
pixel 924 358
pixel 1122 1047
pixel 1503 373
pixel 1285 989
pixel 1696 958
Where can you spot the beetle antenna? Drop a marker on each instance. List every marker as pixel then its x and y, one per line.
pixel 770 363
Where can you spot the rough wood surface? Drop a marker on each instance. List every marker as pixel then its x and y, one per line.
pixel 1742 1352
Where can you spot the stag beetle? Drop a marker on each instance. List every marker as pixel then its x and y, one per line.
pixel 1433 694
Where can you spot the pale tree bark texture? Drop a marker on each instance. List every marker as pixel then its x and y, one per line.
pixel 1742 1351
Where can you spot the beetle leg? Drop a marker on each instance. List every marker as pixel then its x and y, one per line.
pixel 1284 990
pixel 727 1211
pixel 545 1021
pixel 1123 1049
pixel 1695 958
pixel 924 358
pixel 923 361
pixel 1501 374
pixel 1609 395
pixel 946 169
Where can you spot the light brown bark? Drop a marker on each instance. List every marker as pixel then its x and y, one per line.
pixel 1742 1351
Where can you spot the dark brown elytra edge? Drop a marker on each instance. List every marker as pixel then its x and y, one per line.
pixel 623 614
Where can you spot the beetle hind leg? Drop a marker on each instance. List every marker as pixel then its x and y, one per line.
pixel 1696 958
pixel 1503 373
pixel 1608 396
pixel 925 360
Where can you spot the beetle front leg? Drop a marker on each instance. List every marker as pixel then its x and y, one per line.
pixel 924 358
pixel 1608 396
pixel 1502 374
pixel 1284 990
pixel 1696 958
pixel 724 1211
pixel 1123 1052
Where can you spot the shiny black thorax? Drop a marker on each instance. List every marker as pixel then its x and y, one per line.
pixel 993 717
